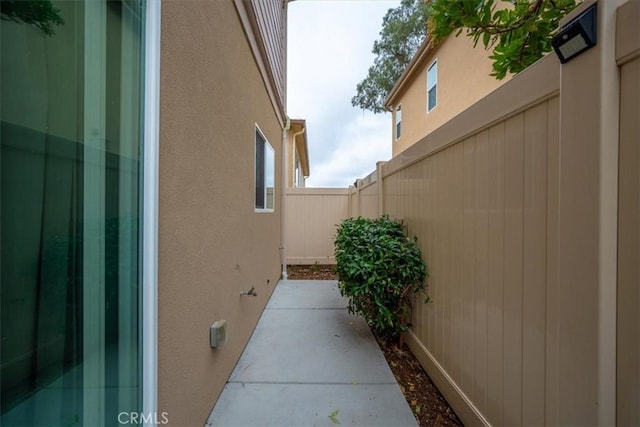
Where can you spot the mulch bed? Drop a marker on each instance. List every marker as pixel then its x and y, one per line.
pixel 428 405
pixel 312 272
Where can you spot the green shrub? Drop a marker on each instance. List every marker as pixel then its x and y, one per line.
pixel 379 270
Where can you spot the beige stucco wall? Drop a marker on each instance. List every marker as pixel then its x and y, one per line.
pixel 463 78
pixel 212 245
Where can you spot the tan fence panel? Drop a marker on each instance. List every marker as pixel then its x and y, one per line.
pixel 311 218
pixel 369 201
pixel 628 354
pixel 518 240
pixel 365 197
pixel 629 253
pixel 354 202
pixel 482 207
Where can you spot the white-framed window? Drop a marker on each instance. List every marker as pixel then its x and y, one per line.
pixel 265 168
pixel 432 86
pixel 398 122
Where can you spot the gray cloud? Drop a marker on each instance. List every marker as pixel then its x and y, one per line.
pixel 329 52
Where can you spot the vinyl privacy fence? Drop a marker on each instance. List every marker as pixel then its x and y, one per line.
pixel 527 210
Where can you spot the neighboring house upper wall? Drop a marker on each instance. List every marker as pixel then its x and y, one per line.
pixel 462 79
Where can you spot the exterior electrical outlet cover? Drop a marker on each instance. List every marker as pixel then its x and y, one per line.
pixel 218 334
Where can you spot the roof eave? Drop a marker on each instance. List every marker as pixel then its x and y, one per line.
pixel 409 72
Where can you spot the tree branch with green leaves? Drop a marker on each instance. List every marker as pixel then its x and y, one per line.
pixel 403 31
pixel 518 31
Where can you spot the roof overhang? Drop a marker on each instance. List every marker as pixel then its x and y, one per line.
pixel 414 67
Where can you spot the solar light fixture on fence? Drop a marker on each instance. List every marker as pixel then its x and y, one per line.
pixel 577 36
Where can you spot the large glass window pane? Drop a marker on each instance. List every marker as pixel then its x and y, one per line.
pixel 70 133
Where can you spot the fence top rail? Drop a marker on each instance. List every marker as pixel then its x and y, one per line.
pixel 372 178
pixel 314 191
pixel 628 32
pixel 535 85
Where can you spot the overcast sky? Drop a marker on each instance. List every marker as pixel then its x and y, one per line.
pixel 329 52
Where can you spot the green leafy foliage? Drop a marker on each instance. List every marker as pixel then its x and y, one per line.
pixel 39 13
pixel 518 31
pixel 380 270
pixel 403 31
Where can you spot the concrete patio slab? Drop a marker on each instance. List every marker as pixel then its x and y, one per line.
pixel 301 405
pixel 311 294
pixel 312 346
pixel 307 358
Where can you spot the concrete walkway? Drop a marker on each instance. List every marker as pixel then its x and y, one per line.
pixel 307 360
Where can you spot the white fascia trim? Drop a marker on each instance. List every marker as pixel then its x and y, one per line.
pixel 149 304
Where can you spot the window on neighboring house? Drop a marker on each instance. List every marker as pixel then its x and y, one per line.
pixel 296 172
pixel 432 86
pixel 265 174
pixel 398 121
